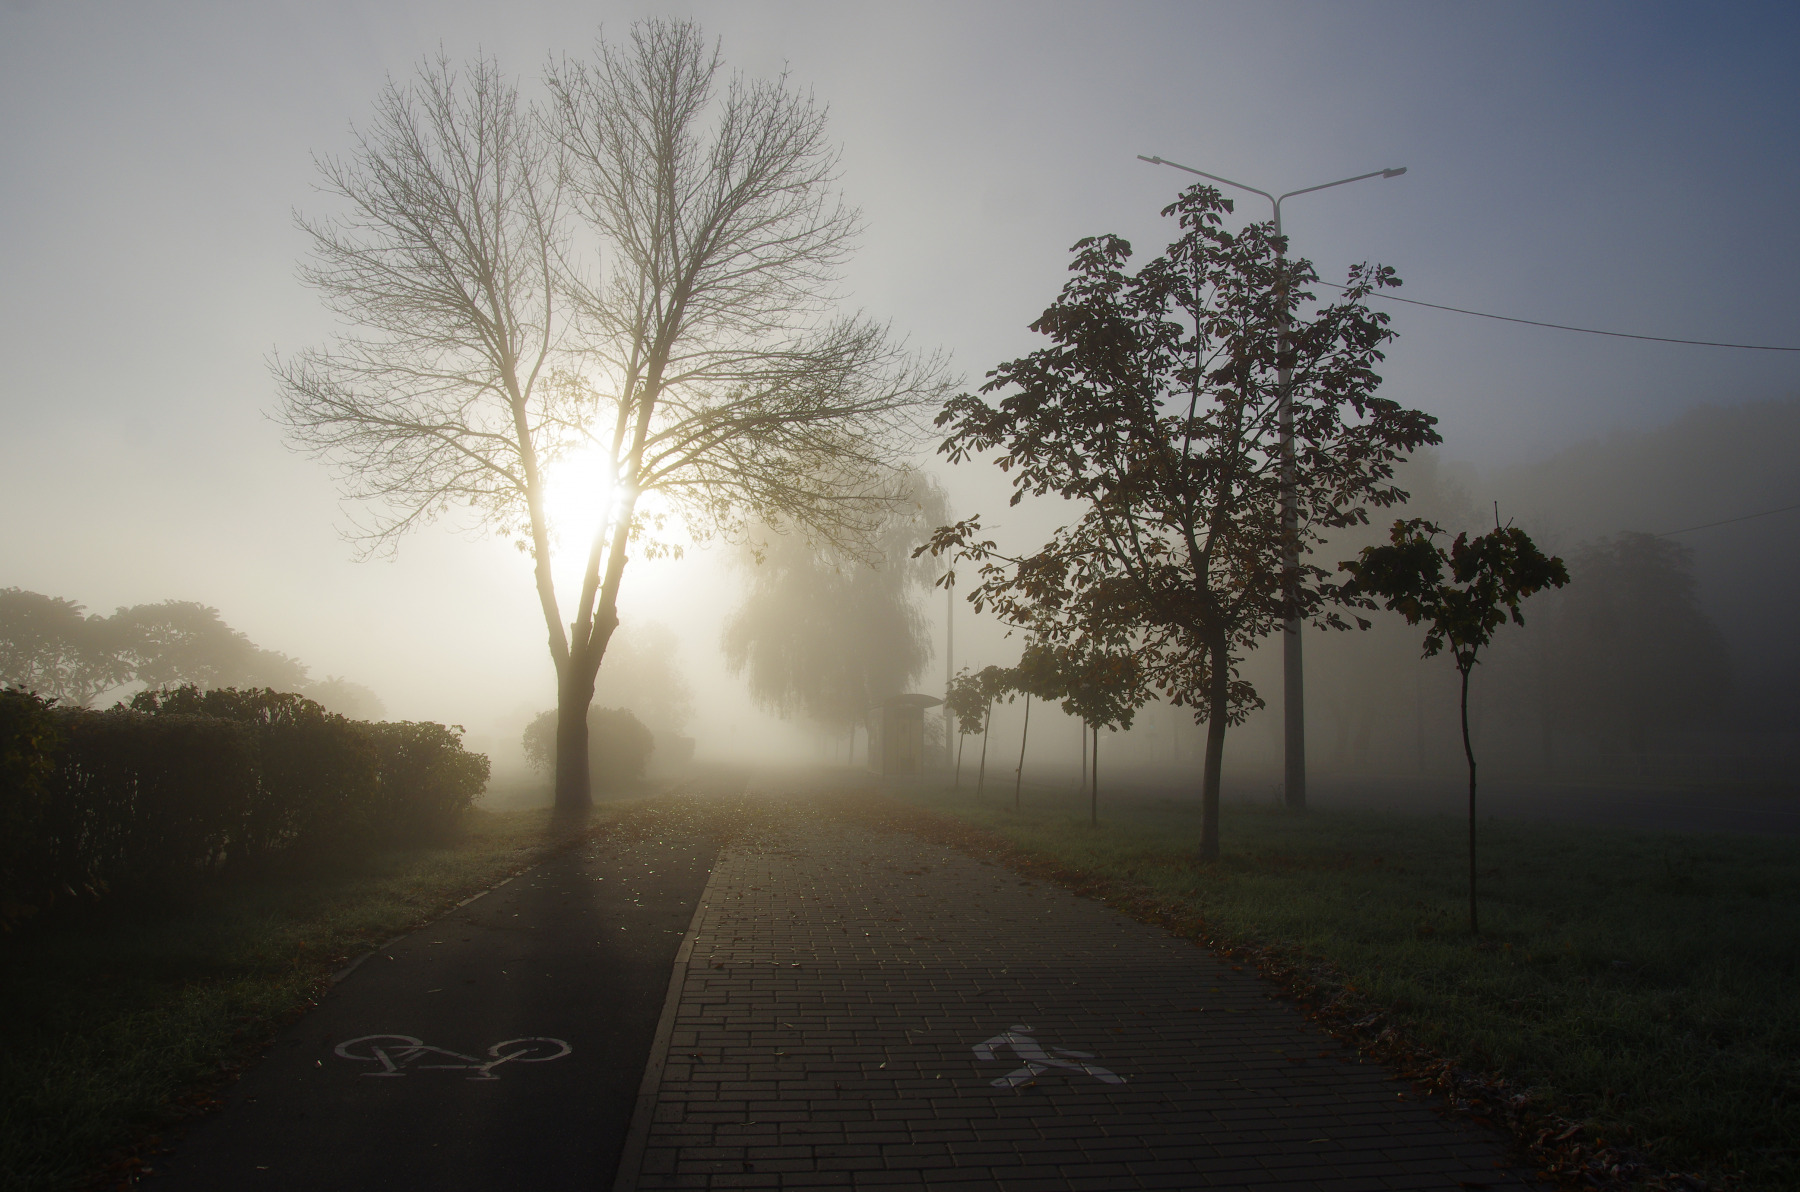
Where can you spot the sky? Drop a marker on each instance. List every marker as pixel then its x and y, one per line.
pixel 1622 166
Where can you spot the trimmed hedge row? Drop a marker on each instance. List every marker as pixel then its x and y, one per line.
pixel 186 783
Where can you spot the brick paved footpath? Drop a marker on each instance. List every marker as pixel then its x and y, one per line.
pixel 859 1010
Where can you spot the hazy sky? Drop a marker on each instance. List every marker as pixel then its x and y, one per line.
pixel 1629 166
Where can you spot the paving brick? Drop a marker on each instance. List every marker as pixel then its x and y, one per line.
pixel 840 981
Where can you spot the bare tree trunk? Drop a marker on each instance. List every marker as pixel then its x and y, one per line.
pixel 1469 752
pixel 960 739
pixel 573 791
pixel 575 688
pixel 1218 709
pixel 1094 786
pixel 1419 719
pixel 986 725
pixel 1085 730
pixel 1019 774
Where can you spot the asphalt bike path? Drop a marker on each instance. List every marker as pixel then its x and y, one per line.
pixel 502 1046
pixel 858 1007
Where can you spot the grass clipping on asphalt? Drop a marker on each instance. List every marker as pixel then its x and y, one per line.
pixel 122 1021
pixel 1631 1011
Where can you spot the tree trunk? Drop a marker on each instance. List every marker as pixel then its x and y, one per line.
pixel 1085 730
pixel 1469 752
pixel 1218 708
pixel 987 724
pixel 1419 719
pixel 1019 774
pixel 960 738
pixel 1094 786
pixel 578 658
pixel 573 785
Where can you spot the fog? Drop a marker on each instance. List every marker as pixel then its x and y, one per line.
pixel 1622 167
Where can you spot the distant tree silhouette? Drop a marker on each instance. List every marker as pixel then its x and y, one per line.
pixel 184 642
pixel 1638 657
pixel 1155 413
pixel 641 674
pixel 1461 596
pixel 48 645
pixel 824 633
pixel 350 700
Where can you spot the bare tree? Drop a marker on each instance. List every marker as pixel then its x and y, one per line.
pixel 702 366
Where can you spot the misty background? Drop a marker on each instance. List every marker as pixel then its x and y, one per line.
pixel 1627 167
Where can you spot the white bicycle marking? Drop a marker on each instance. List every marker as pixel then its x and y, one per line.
pixel 1037 1059
pixel 394 1052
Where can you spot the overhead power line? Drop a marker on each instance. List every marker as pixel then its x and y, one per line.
pixel 1729 521
pixel 1660 339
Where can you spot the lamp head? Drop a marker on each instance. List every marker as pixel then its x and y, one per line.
pixel 1393 173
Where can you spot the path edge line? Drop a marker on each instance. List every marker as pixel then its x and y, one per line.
pixel 637 1137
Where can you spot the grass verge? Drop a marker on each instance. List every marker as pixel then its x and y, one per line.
pixel 118 1023
pixel 1644 986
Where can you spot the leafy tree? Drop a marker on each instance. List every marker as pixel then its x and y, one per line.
pixel 825 633
pixel 1462 596
pixel 1103 689
pixel 969 703
pixel 972 696
pixel 185 642
pixel 700 374
pixel 1155 412
pixel 49 646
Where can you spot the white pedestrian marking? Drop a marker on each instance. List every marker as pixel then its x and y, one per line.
pixel 1037 1059
pixel 394 1052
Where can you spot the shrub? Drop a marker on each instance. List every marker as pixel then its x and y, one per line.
pixel 619 746
pixel 317 773
pixel 427 779
pixel 29 739
pixel 147 802
pixel 187 782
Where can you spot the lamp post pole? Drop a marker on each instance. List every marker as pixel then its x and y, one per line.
pixel 949 669
pixel 1293 675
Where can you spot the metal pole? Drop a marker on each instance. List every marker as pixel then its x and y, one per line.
pixel 1293 671
pixel 1293 674
pixel 949 664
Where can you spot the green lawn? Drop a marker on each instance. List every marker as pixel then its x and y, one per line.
pixel 116 1022
pixel 1647 984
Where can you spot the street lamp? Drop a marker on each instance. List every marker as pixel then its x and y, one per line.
pixel 1293 689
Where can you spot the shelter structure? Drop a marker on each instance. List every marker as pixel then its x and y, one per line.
pixel 897 735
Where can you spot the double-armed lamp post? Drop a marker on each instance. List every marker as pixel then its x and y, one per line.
pixel 1293 675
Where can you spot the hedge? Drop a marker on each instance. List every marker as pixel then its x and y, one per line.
pixel 186 783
